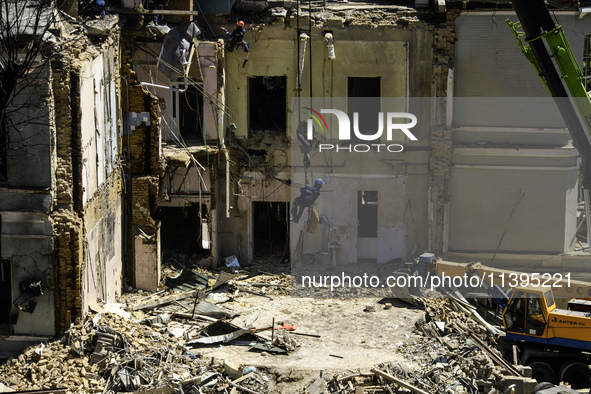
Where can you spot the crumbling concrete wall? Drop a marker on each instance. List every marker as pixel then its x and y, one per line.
pixel 145 232
pixel 103 261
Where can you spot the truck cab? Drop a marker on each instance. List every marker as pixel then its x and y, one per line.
pixel 527 313
pixel 554 342
pixel 532 315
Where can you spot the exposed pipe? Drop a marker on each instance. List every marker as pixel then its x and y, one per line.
pixel 182 90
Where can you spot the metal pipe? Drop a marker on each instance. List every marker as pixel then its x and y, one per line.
pixel 166 87
pixel 185 65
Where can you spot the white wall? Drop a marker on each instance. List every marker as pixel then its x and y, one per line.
pixel 102 269
pixel 99 114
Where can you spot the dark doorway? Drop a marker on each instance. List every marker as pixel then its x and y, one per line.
pixel 367 214
pixel 5 291
pixel 181 228
pixel 267 104
pixel 270 226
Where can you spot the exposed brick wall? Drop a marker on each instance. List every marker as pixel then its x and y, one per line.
pixel 68 214
pixel 441 137
pixel 143 143
pixel 66 221
pixel 69 255
pixel 145 192
pixel 141 147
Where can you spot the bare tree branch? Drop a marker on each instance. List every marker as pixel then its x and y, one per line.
pixel 25 26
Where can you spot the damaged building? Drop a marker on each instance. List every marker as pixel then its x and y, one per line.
pixel 62 204
pixel 152 138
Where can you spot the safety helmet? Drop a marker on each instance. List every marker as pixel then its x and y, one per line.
pixel 240 23
pixel 319 182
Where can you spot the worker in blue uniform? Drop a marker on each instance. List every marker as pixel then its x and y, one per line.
pixel 308 196
pixel 236 38
pixel 98 7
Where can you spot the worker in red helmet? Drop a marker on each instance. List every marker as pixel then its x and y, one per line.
pixel 236 38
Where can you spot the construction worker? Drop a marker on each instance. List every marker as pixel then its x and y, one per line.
pixel 236 38
pixel 98 7
pixel 307 198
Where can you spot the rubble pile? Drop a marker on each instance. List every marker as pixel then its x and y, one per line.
pixel 158 343
pixel 105 352
pixel 452 351
pixel 109 354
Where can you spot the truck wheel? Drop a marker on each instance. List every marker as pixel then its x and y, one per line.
pixel 542 372
pixel 542 386
pixel 576 373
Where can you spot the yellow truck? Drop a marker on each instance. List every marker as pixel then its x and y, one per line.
pixel 554 342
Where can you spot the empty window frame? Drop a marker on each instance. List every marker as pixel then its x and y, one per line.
pixel 364 97
pixel 187 112
pixel 267 104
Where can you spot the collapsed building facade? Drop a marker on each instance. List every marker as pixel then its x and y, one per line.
pixel 140 153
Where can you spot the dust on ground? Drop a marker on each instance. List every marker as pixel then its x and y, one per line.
pixel 350 337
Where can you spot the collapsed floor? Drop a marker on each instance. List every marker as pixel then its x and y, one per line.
pixel 210 332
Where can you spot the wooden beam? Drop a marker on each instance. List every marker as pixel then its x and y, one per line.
pixel 399 382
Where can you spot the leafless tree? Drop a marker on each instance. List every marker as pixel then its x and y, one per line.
pixel 26 40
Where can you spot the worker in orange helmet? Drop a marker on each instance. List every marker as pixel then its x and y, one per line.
pixel 236 38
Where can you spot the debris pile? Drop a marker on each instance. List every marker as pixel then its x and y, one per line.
pixel 105 352
pixel 158 343
pixel 108 353
pixel 452 351
pixel 153 342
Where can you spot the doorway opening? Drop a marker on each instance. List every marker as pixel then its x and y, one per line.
pixel 270 229
pixel 367 225
pixel 182 229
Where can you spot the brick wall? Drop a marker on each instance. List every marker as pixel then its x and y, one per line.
pixel 66 221
pixel 68 215
pixel 141 149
